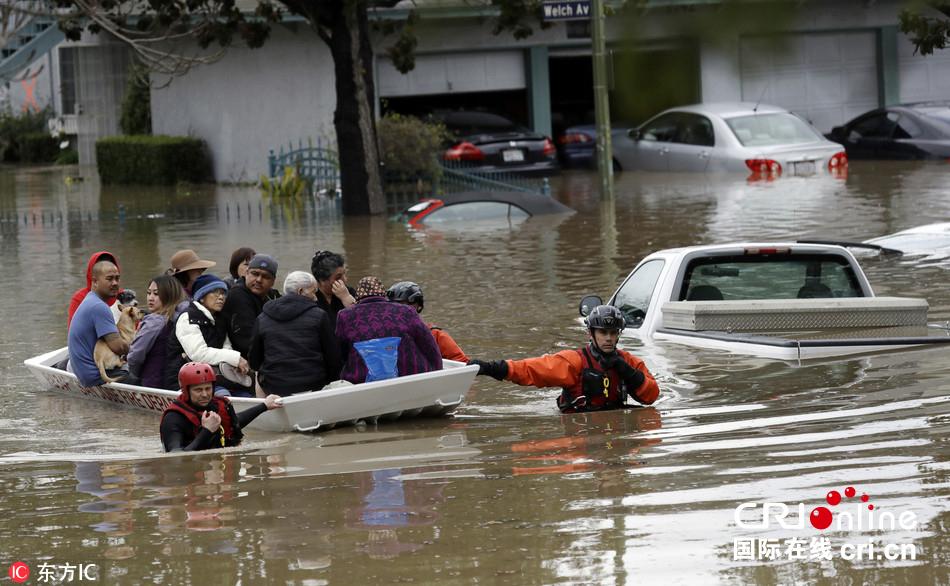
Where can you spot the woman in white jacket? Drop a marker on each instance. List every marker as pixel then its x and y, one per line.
pixel 200 337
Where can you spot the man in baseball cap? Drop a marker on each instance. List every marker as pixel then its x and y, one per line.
pixel 246 300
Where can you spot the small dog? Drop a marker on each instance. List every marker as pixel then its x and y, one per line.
pixel 127 297
pixel 128 322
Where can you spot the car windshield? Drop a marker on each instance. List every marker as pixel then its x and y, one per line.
pixel 771 129
pixel 750 277
pixel 939 118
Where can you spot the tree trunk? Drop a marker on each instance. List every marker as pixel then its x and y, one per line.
pixel 354 118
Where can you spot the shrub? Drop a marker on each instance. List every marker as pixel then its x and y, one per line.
pixel 14 128
pixel 38 147
pixel 152 160
pixel 409 146
pixel 289 185
pixel 67 157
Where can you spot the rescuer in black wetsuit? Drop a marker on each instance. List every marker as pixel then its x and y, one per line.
pixel 197 420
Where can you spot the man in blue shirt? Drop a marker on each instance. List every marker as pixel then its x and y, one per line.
pixel 94 321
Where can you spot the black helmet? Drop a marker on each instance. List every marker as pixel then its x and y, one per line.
pixel 605 317
pixel 406 292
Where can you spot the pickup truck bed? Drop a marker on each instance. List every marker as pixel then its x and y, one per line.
pixel 794 314
pixel 796 329
pixel 804 345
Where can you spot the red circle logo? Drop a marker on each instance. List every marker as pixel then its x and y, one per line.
pixel 820 518
pixel 19 572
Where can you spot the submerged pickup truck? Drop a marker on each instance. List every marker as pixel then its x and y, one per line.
pixel 789 301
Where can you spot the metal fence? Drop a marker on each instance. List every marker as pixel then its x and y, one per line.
pixel 318 164
pixel 458 176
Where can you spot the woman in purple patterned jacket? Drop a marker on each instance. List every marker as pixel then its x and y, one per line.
pixel 380 339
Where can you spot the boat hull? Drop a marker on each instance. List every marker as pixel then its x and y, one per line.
pixel 430 394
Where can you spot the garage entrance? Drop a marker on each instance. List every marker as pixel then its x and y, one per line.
pixel 492 81
pixel 572 90
pixel 828 78
pixel 643 82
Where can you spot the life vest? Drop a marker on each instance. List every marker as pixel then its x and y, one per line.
pixel 227 435
pixel 595 390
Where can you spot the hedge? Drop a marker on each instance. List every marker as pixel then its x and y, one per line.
pixel 38 147
pixel 152 160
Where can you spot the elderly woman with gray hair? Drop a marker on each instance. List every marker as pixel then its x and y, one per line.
pixel 293 348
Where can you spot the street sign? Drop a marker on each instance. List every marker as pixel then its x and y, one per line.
pixel 566 10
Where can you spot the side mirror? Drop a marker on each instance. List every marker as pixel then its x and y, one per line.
pixel 588 303
pixel 634 133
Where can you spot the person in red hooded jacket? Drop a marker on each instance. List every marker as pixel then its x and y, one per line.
pixel 81 293
pixel 197 420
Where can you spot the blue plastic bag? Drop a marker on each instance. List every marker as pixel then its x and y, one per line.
pixel 380 356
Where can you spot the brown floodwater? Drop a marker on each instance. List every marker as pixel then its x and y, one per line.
pixel 507 491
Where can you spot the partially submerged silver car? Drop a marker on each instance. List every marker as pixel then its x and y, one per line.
pixel 763 141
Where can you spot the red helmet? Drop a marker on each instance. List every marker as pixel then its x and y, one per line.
pixel 195 373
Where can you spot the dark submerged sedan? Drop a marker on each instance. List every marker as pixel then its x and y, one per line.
pixel 490 143
pixel 909 131
pixel 579 145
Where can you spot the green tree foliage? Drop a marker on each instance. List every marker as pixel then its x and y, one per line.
pixel 927 23
pixel 136 104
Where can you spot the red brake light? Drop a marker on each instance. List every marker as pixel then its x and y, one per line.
pixel 838 160
pixel 763 169
pixel 423 209
pixel 764 166
pixel 549 150
pixel 464 151
pixel 838 165
pixel 575 138
pixel 776 250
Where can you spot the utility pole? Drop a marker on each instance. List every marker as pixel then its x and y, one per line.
pixel 602 101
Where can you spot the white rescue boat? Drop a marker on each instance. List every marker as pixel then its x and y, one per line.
pixel 429 394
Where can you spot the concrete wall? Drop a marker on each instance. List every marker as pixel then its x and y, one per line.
pixel 252 101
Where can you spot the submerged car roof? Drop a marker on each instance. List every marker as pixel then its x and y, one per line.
pixel 535 204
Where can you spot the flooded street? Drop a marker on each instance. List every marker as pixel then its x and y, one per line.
pixel 507 491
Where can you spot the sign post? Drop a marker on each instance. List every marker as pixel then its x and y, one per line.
pixel 554 10
pixel 605 163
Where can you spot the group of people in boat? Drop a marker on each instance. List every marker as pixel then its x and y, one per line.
pixel 213 338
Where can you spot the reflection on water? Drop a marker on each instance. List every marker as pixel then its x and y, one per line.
pixel 508 491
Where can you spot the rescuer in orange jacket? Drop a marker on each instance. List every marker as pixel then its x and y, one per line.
pixel 593 378
pixel 409 293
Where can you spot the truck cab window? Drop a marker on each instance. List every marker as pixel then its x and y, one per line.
pixel 633 297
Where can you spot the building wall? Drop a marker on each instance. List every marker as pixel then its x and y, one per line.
pixel 252 101
pixel 255 100
pixel 102 71
pixel 832 64
pixel 33 93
